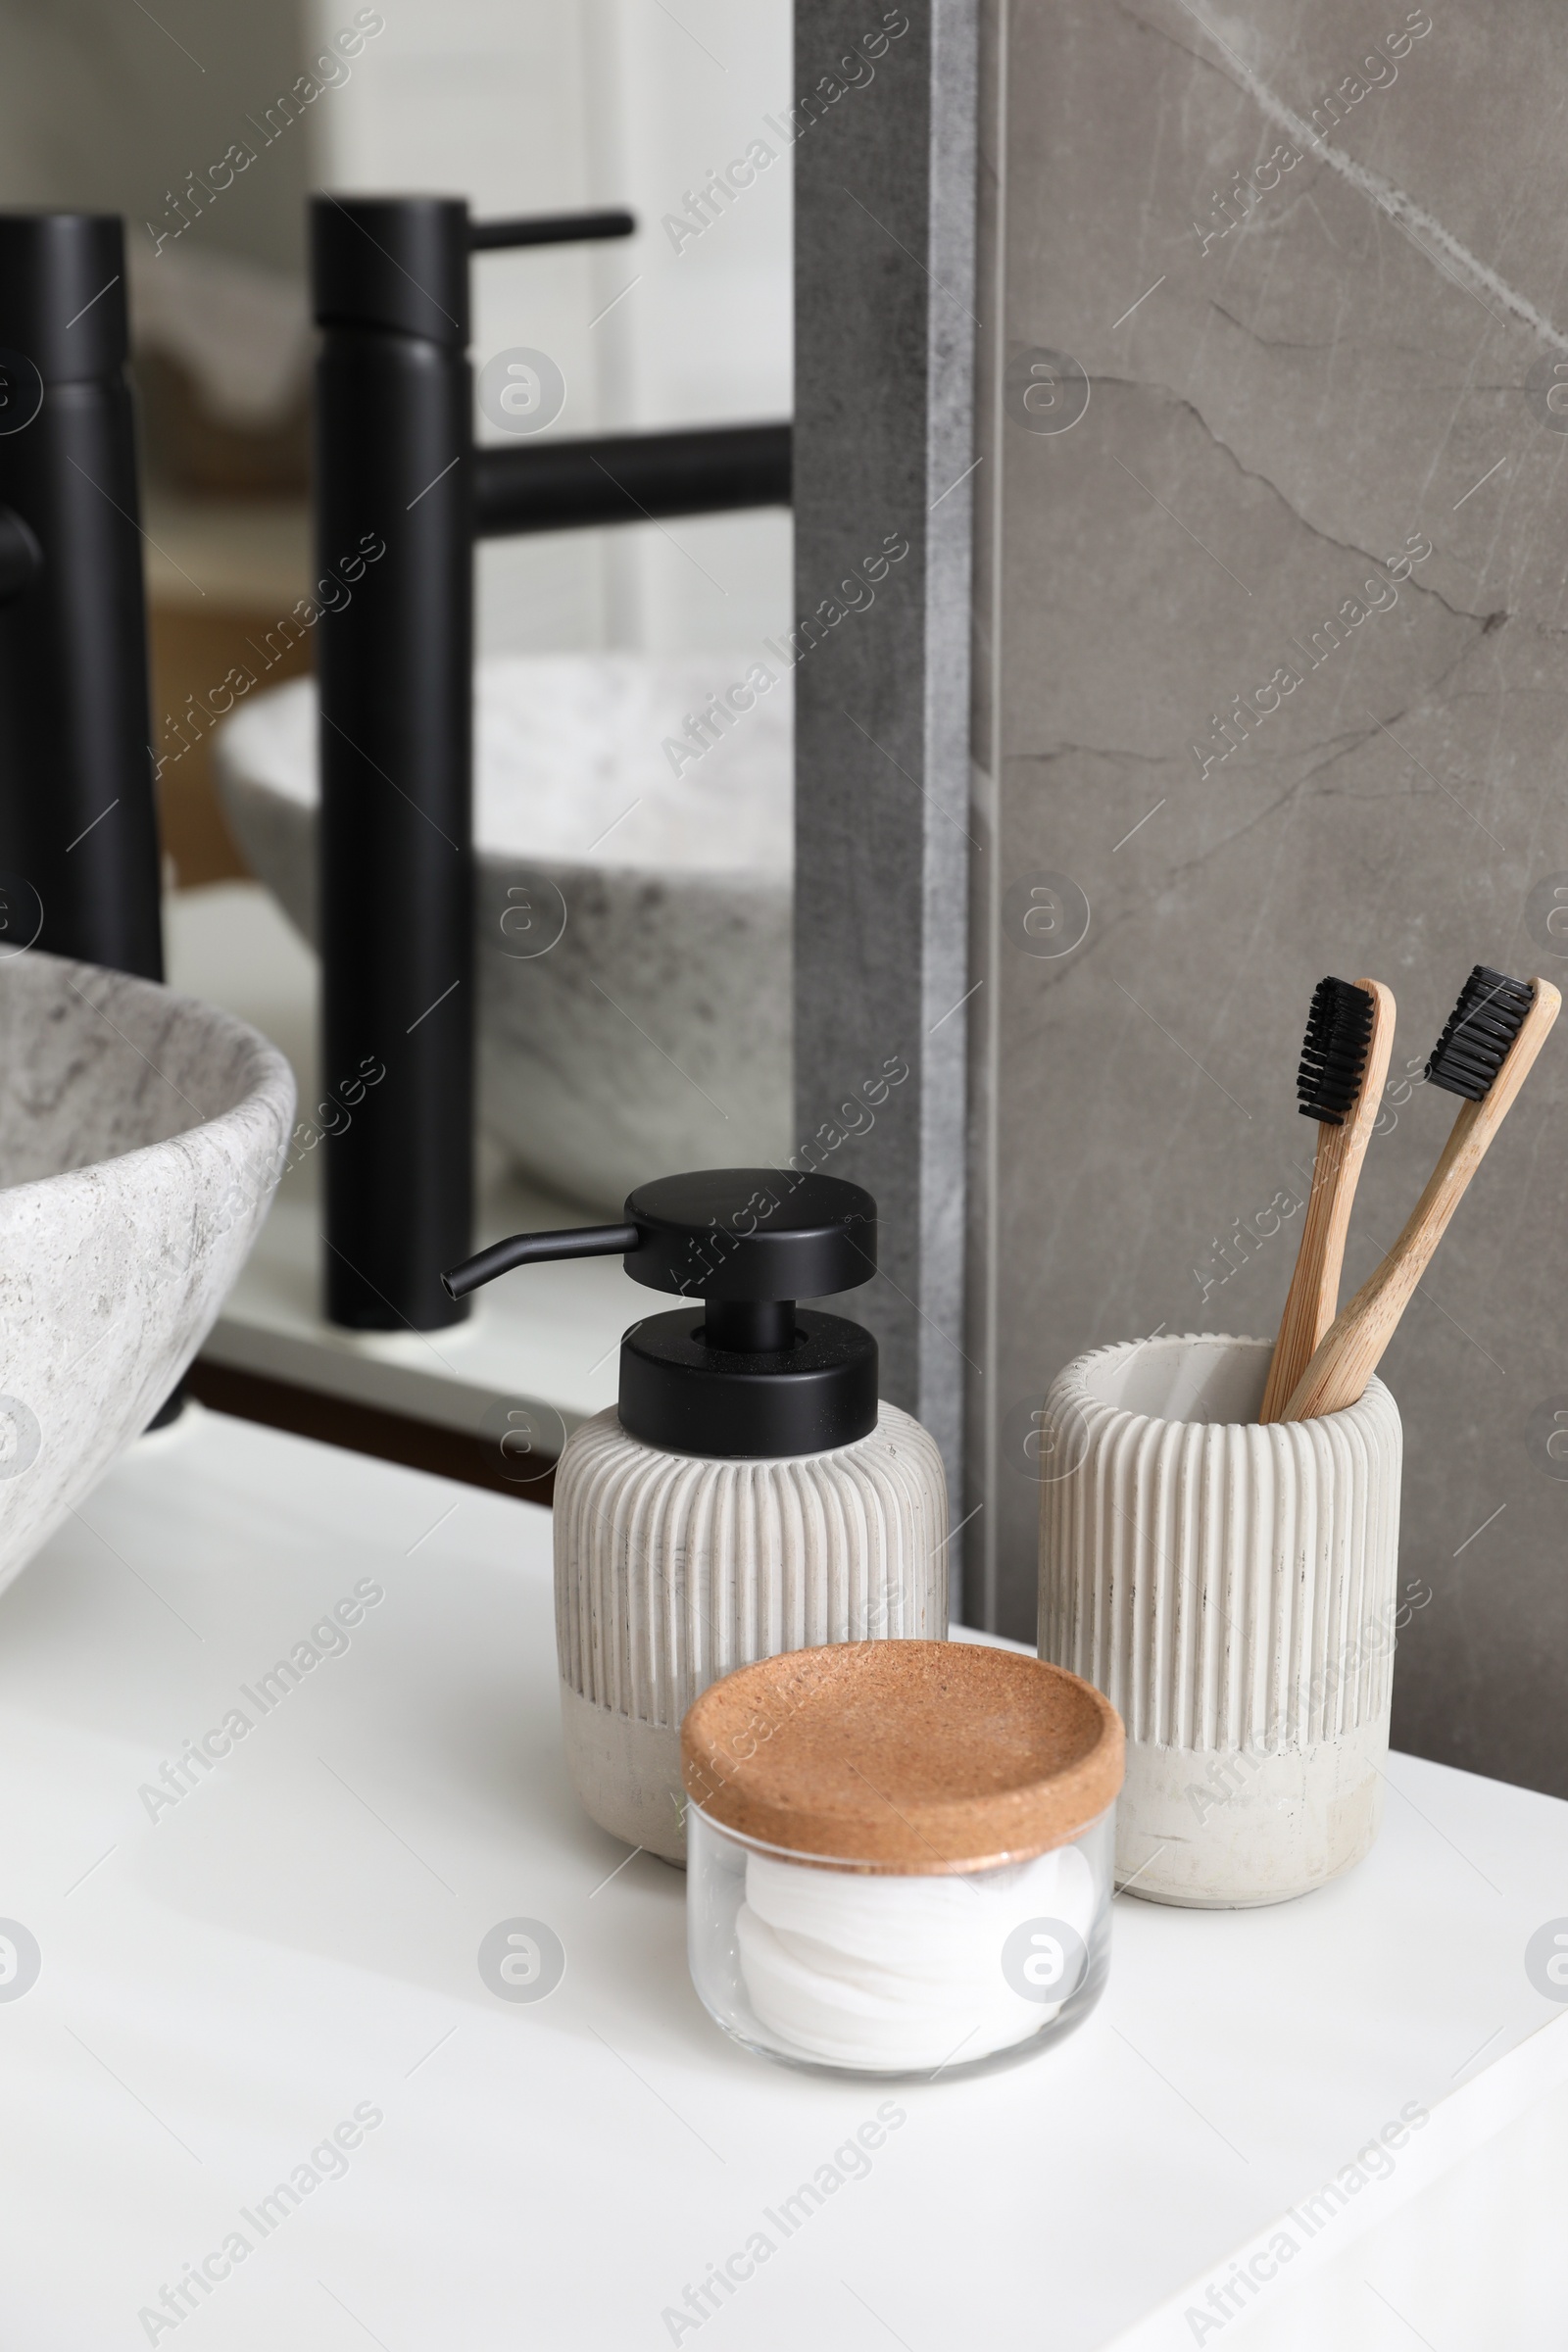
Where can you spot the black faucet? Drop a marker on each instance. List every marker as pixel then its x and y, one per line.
pixel 78 826
pixel 401 496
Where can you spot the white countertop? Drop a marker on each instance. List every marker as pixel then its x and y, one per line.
pixel 295 1938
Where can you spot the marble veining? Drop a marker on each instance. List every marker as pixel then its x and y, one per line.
pixel 633 906
pixel 1304 376
pixel 141 1137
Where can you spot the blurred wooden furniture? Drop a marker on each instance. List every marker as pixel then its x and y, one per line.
pixel 227 592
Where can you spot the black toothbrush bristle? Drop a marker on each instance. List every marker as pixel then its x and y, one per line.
pixel 1338 1036
pixel 1482 1027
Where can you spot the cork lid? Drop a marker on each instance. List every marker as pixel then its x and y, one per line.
pixel 915 1758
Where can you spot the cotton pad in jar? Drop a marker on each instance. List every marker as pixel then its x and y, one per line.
pixel 900 1854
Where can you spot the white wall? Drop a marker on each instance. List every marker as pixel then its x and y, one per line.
pixel 108 107
pixel 551 105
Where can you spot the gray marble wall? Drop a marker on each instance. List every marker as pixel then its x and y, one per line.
pixel 1306 264
pixel 883 152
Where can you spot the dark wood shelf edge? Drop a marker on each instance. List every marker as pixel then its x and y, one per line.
pixel 363 1429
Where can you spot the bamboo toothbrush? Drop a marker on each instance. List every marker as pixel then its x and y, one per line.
pixel 1494 1034
pixel 1344 1059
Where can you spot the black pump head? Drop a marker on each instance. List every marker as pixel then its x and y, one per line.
pixel 1339 1037
pixel 752 1234
pixel 749 1375
pixel 1482 1028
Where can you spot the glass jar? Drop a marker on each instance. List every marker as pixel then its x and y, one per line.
pixel 896 1865
pixel 821 1963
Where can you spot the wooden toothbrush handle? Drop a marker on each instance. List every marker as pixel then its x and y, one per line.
pixel 1314 1294
pixel 1346 1359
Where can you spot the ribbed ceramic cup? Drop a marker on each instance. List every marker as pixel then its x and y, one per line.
pixel 673 1569
pixel 1231 1588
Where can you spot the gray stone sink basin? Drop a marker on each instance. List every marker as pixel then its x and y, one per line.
pixel 141 1137
pixel 633 925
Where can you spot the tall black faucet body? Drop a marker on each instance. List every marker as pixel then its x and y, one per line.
pixel 393 522
pixel 401 496
pixel 78 827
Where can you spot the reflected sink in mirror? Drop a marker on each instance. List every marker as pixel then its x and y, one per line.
pixel 142 1135
pixel 633 925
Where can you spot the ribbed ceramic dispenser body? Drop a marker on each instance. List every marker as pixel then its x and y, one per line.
pixel 1231 1587
pixel 673 1569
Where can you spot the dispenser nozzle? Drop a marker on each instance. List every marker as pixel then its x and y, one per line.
pixel 748 1242
pixel 748 1376
pixel 536 1248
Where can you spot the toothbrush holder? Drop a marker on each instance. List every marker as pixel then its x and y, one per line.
pixel 1230 1587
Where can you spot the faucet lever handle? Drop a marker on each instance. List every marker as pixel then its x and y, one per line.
pixel 550 228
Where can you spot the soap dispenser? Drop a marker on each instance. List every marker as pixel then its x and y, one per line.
pixel 749 1493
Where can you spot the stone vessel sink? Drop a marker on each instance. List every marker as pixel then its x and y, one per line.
pixel 633 924
pixel 141 1137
